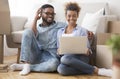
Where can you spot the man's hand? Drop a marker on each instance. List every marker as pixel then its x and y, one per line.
pixel 58 51
pixel 38 14
pixel 90 35
pixel 88 52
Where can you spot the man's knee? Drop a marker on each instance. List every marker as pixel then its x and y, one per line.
pixel 53 65
pixel 28 33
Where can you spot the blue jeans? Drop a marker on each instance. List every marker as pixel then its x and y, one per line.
pixel 41 60
pixel 75 65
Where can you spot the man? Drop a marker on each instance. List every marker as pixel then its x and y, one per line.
pixel 38 49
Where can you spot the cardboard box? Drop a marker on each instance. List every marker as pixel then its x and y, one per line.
pixel 1 48
pixel 4 17
pixel 104 53
pixel 103 56
pixel 3 66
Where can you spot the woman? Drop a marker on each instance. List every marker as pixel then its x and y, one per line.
pixel 75 64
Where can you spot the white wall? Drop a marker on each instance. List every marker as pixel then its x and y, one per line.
pixel 113 4
pixel 23 7
pixel 115 7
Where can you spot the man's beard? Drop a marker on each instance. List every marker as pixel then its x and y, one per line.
pixel 47 22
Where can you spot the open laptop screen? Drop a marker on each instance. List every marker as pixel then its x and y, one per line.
pixel 73 45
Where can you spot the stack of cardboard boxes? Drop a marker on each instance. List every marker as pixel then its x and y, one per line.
pixel 104 53
pixel 5 24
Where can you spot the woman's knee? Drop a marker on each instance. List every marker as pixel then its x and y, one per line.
pixel 65 59
pixel 61 69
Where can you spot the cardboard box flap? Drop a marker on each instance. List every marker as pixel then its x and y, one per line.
pixel 113 27
pixel 4 17
pixel 102 38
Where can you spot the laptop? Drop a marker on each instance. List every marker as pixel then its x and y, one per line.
pixel 73 45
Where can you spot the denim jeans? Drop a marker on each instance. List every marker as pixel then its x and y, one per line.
pixel 75 65
pixel 41 60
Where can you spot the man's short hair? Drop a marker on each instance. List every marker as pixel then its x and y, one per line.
pixel 46 6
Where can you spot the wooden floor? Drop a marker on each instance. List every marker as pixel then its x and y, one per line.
pixel 35 75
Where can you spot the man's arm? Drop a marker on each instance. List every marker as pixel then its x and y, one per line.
pixel 37 17
pixel 90 35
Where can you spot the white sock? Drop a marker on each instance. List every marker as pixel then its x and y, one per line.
pixel 15 66
pixel 26 69
pixel 105 72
